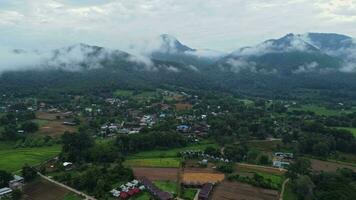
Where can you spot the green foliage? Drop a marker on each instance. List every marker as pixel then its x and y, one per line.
pixel 5 177
pixel 227 168
pixel 76 146
pixel 28 173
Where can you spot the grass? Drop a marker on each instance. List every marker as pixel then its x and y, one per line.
pixel 267 146
pixel 167 186
pixel 14 159
pixel 72 196
pixel 352 130
pixel 320 110
pixel 145 195
pixel 289 194
pixel 153 162
pixel 189 193
pixel 40 122
pixel 171 153
pixel 123 93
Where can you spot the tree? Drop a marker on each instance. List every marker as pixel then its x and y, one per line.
pixel 29 127
pixel 263 159
pixel 5 177
pixel 28 173
pixel 235 152
pixel 301 166
pixel 16 194
pixel 303 186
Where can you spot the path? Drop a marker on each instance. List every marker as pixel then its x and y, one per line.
pixel 283 188
pixel 197 195
pixel 87 197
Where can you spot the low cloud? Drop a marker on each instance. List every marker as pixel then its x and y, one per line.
pixel 306 68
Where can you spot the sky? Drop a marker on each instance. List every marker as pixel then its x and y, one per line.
pixel 223 25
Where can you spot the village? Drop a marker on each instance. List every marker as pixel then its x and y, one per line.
pixel 156 144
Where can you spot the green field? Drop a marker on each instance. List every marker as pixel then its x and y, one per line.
pixel 13 159
pixel 123 93
pixel 171 153
pixel 167 186
pixel 288 193
pixel 189 193
pixel 153 162
pixel 320 110
pixel 352 130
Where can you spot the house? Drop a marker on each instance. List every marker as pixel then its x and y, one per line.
pixel 183 128
pixel 68 165
pixel 5 192
pixel 205 191
pixel 17 183
pixel 280 163
pixel 124 195
pixel 154 190
pixel 69 123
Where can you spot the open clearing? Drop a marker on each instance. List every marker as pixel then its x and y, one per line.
pixel 196 178
pixel 319 165
pixel 155 174
pixel 44 190
pixel 14 159
pixel 241 191
pixel 256 168
pixel 50 125
pixel 320 110
pixel 153 162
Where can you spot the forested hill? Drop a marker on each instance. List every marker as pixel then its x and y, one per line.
pixel 294 66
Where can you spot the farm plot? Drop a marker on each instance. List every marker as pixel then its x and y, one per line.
pixel 153 162
pixel 45 190
pixel 319 165
pixel 155 174
pixel 241 191
pixel 196 178
pixel 55 128
pixel 14 159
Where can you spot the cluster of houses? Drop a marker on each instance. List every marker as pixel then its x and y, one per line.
pixel 282 159
pixel 16 183
pixel 206 157
pixel 128 190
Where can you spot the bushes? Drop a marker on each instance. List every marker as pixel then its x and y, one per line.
pixel 36 142
pixel 226 168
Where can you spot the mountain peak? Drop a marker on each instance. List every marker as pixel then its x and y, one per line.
pixel 170 43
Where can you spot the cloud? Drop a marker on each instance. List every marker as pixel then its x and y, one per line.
pixel 306 68
pixel 224 25
pixel 238 65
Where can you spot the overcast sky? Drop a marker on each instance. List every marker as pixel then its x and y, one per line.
pixel 215 24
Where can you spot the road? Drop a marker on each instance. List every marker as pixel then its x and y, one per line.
pixel 283 188
pixel 87 197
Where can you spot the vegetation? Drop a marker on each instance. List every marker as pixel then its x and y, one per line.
pixel 153 162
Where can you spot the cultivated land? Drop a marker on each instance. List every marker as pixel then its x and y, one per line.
pixel 155 174
pixel 44 190
pixel 320 110
pixel 319 165
pixel 241 191
pixel 153 162
pixel 352 130
pixel 14 159
pixel 192 178
pixel 50 125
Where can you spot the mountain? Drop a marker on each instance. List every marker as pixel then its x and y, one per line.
pixel 290 54
pixel 171 49
pixel 330 41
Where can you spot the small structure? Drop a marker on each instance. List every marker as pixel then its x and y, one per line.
pixel 205 191
pixel 67 165
pixel 5 192
pixel 17 183
pixel 183 128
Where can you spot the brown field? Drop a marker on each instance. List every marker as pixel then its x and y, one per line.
pixel 54 128
pixel 44 190
pixel 241 191
pixel 183 106
pixel 47 116
pixel 197 178
pixel 256 168
pixel 156 174
pixel 319 165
